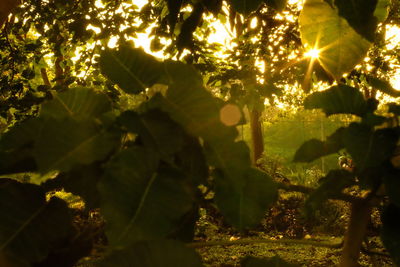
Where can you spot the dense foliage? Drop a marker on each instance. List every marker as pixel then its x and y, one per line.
pixel 149 166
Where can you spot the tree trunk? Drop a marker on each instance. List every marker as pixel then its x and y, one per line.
pixel 359 218
pixel 256 135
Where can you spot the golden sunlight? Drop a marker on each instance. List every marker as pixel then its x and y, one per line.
pixel 312 53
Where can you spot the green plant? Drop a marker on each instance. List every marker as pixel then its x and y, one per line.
pixel 142 167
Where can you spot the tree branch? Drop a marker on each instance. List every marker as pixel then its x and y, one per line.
pixel 262 241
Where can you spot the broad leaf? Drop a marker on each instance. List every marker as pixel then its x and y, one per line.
pixel 63 144
pixel 314 149
pixel 16 147
pixel 339 99
pixel 29 225
pixel 369 148
pixel 232 158
pixel 197 111
pixel 21 135
pixel 245 7
pixel 139 200
pixel 180 74
pixel 341 47
pixel 77 102
pixel 156 130
pixel 131 68
pixel 244 205
pixel 390 233
pixel 158 253
pixel 360 15
pixel 275 261
pixel 192 161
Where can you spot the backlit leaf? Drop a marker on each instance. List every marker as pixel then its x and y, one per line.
pixel 341 48
pixel 360 15
pixel 314 148
pixel 131 68
pixel 339 99
pixel 76 102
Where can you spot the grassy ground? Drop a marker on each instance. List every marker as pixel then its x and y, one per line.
pixel 286 221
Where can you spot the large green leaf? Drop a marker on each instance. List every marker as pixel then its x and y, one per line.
pixel 30 226
pixel 131 68
pixel 192 161
pixel 155 129
pixel 76 102
pixel 369 148
pixel 197 111
pixel 21 135
pixel 16 147
pixel 246 6
pixel 139 199
pixel 244 205
pixel 181 74
pixel 232 158
pixel 62 144
pixel 341 47
pixel 158 253
pixel 390 233
pixel 314 148
pixel 189 104
pixel 338 99
pixel 360 15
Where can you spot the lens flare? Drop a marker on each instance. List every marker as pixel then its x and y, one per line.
pixel 313 53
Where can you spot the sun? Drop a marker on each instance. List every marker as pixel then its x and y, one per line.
pixel 312 53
